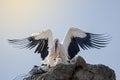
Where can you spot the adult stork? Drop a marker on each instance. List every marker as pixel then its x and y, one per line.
pixel 53 52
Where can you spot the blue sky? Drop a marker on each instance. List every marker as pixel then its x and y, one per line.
pixel 21 18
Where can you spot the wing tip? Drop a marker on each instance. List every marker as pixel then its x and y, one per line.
pixel 100 40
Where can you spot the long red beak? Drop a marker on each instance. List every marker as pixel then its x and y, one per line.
pixel 56 45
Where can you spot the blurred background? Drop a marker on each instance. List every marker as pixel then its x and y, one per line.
pixel 21 18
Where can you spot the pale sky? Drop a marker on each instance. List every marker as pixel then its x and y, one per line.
pixel 21 18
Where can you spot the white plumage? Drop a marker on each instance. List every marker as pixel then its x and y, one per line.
pixel 53 52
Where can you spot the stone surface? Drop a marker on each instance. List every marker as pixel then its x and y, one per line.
pixel 79 70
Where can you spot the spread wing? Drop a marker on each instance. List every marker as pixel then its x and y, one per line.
pixel 76 39
pixel 43 40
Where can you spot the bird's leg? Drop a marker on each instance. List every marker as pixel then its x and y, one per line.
pixel 49 66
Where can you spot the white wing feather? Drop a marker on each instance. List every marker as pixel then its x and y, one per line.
pixel 72 32
pixel 76 39
pixel 43 40
pixel 45 34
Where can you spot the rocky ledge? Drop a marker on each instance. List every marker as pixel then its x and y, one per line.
pixel 79 70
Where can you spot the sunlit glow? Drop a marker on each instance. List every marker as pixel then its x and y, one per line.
pixel 21 12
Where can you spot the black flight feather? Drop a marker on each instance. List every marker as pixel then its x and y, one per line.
pixel 90 41
pixel 30 42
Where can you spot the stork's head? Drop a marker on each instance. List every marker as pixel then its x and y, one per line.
pixel 56 42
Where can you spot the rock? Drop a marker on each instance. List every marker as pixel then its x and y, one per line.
pixel 60 72
pixel 36 70
pixel 83 75
pixel 79 70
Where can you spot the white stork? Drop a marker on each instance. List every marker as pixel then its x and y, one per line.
pixel 53 52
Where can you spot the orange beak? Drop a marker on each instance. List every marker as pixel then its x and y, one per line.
pixel 56 45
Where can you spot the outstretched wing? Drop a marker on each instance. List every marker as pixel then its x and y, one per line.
pixel 76 39
pixel 43 40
